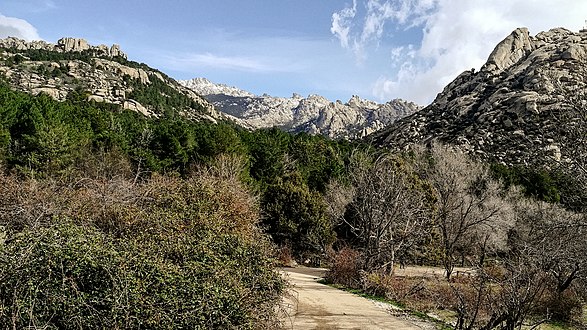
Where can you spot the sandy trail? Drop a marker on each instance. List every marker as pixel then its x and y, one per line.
pixel 318 306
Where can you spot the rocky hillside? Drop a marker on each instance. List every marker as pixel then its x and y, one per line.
pixel 512 110
pixel 313 114
pixel 73 68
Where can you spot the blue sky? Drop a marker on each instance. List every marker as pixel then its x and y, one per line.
pixel 377 49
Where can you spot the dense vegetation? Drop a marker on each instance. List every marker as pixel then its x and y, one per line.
pixel 120 221
pixel 115 220
pixel 161 96
pixel 508 260
pixel 108 252
pixel 84 56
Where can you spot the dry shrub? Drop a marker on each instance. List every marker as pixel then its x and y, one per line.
pixel 186 253
pixel 105 165
pixel 566 306
pixel 405 289
pixel 345 268
pixel 28 203
pixel 209 198
pixel 417 293
pixel 204 201
pixel 376 284
pixel 285 257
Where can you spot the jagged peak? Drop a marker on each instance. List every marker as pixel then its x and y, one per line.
pixel 316 97
pixel 520 44
pixel 314 114
pixel 509 51
pixel 357 101
pixel 554 34
pixel 508 112
pixel 204 86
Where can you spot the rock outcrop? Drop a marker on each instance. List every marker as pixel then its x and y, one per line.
pixel 73 44
pixel 64 45
pixel 101 73
pixel 509 111
pixel 509 52
pixel 313 114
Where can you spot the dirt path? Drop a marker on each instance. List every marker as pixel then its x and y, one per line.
pixel 318 306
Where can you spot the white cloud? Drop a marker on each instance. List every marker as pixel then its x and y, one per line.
pixel 342 22
pixel 457 35
pixel 224 62
pixel 260 55
pixel 377 14
pixel 50 4
pixel 236 63
pixel 16 27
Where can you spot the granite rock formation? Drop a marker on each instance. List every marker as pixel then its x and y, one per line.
pixel 511 110
pixel 101 73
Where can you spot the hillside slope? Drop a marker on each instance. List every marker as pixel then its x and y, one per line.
pixel 74 69
pixel 522 107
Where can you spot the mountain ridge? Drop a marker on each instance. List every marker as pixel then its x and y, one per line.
pixel 313 114
pixel 73 68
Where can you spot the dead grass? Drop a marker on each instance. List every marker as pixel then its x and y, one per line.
pixel 426 290
pixel 428 271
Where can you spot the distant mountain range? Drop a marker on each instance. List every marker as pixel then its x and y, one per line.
pixel 72 67
pixel 313 114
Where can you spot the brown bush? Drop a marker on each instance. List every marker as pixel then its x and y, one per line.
pixel 345 268
pixel 566 306
pixel 285 257
pixel 417 293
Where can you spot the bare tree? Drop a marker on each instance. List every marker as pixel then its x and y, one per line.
pixel 545 256
pixel 554 239
pixel 467 200
pixel 388 213
pixel 337 198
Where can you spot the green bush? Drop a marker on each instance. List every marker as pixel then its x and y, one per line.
pixel 169 253
pixel 296 217
pixel 60 277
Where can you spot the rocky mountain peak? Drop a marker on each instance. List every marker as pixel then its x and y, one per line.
pixel 357 102
pixel 508 111
pixel 73 44
pixel 315 98
pixel 508 52
pixel 204 86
